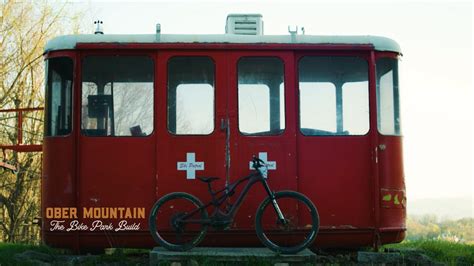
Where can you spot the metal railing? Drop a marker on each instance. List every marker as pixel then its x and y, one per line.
pixel 19 146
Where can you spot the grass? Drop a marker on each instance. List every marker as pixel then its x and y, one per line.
pixel 9 256
pixel 114 257
pixel 442 251
pixel 8 252
pixel 248 261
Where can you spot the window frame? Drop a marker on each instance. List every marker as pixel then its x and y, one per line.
pixel 361 55
pixel 396 58
pixel 282 60
pixel 96 53
pixel 214 94
pixel 70 56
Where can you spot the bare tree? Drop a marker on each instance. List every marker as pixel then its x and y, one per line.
pixel 25 28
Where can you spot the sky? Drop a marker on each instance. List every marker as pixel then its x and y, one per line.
pixel 435 70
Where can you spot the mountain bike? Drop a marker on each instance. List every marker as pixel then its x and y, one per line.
pixel 179 221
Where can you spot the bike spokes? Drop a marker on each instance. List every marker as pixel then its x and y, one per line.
pixel 176 222
pixel 292 233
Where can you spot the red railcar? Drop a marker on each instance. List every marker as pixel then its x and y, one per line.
pixel 130 118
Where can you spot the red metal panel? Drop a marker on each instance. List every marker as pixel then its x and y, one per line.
pixel 171 149
pixel 373 151
pixel 116 171
pixel 58 186
pixel 59 180
pixel 280 149
pixel 336 174
pixel 392 184
pixel 23 148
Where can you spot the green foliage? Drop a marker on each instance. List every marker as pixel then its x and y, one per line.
pixel 25 27
pixel 429 228
pixel 450 242
pixel 250 261
pixel 440 250
pixel 8 252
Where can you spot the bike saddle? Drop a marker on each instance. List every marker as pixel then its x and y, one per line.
pixel 207 179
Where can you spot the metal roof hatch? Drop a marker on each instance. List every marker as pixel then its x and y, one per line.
pixel 244 24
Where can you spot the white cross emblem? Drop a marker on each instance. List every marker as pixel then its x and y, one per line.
pixel 190 166
pixel 263 156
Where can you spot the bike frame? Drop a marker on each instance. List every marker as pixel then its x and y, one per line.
pixel 229 191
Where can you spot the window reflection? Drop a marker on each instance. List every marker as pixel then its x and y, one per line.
pixel 388 102
pixel 191 95
pixel 261 96
pixel 59 96
pixel 333 96
pixel 117 96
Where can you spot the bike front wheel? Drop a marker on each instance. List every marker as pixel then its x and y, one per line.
pixel 299 227
pixel 177 221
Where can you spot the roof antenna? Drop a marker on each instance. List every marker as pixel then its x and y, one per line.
pixel 158 32
pixel 99 28
pixel 293 30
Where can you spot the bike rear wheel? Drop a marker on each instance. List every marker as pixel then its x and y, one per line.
pixel 169 225
pixel 299 229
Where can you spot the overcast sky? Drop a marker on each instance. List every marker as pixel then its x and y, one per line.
pixel 435 75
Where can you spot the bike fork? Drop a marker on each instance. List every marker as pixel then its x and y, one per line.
pixel 274 202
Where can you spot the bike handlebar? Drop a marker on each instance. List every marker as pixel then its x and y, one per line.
pixel 257 162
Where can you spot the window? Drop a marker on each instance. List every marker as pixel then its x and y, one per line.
pixel 190 95
pixel 388 102
pixel 117 96
pixel 261 93
pixel 333 96
pixel 317 101
pixel 58 96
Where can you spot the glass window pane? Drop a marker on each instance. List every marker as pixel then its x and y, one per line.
pixel 133 106
pixel 191 95
pixel 317 98
pixel 117 96
pixel 194 117
pixel 355 110
pixel 254 110
pixel 334 98
pixel 261 96
pixel 387 97
pixel 59 96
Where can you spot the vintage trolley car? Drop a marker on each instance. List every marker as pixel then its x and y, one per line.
pixel 130 118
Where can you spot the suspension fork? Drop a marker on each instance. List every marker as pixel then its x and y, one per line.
pixel 274 202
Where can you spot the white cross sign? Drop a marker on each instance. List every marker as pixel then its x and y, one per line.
pixel 263 156
pixel 190 166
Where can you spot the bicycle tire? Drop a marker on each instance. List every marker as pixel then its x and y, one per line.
pixel 161 207
pixel 265 237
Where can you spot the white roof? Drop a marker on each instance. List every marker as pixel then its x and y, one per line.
pixel 70 41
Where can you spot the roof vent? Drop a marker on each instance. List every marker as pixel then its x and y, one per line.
pixel 99 28
pixel 244 24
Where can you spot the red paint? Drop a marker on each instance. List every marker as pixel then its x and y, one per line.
pixel 19 146
pixel 342 175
